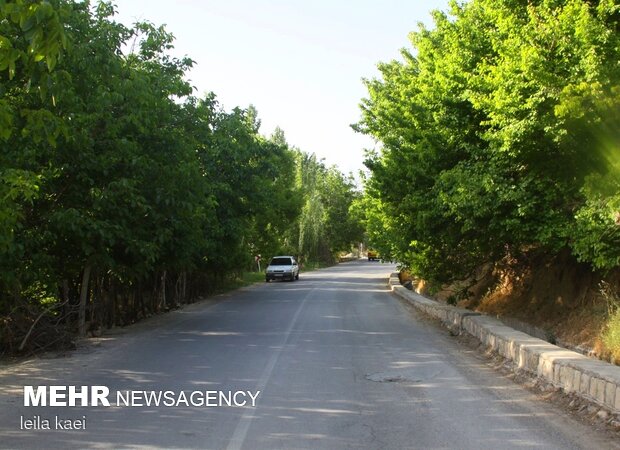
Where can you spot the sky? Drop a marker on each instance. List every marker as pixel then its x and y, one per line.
pixel 299 62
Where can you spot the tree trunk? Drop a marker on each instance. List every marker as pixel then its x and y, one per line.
pixel 83 300
pixel 163 291
pixel 66 309
pixel 114 306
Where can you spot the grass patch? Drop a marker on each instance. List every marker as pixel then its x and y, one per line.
pixel 239 281
pixel 611 332
pixel 251 277
pixel 611 335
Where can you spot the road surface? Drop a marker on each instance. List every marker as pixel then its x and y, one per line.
pixel 339 362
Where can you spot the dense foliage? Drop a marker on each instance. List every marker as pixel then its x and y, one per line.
pixel 122 194
pixel 326 222
pixel 500 132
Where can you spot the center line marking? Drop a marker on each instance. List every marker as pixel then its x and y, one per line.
pixel 241 430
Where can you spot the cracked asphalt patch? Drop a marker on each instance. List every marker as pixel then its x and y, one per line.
pixel 411 374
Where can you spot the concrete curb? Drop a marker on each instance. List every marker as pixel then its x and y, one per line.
pixel 594 380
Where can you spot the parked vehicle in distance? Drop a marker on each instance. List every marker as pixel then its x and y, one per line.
pixel 282 268
pixel 373 255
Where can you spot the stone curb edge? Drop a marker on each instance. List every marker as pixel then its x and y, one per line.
pixel 593 380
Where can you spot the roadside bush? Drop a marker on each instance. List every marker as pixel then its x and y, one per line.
pixel 611 332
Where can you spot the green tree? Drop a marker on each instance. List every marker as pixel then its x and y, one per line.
pixel 122 194
pixel 326 224
pixel 488 135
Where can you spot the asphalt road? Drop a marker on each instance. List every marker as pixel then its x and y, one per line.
pixel 339 362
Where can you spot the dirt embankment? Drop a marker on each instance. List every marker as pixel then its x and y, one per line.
pixel 554 298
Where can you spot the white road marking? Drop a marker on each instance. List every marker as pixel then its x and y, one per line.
pixel 241 430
